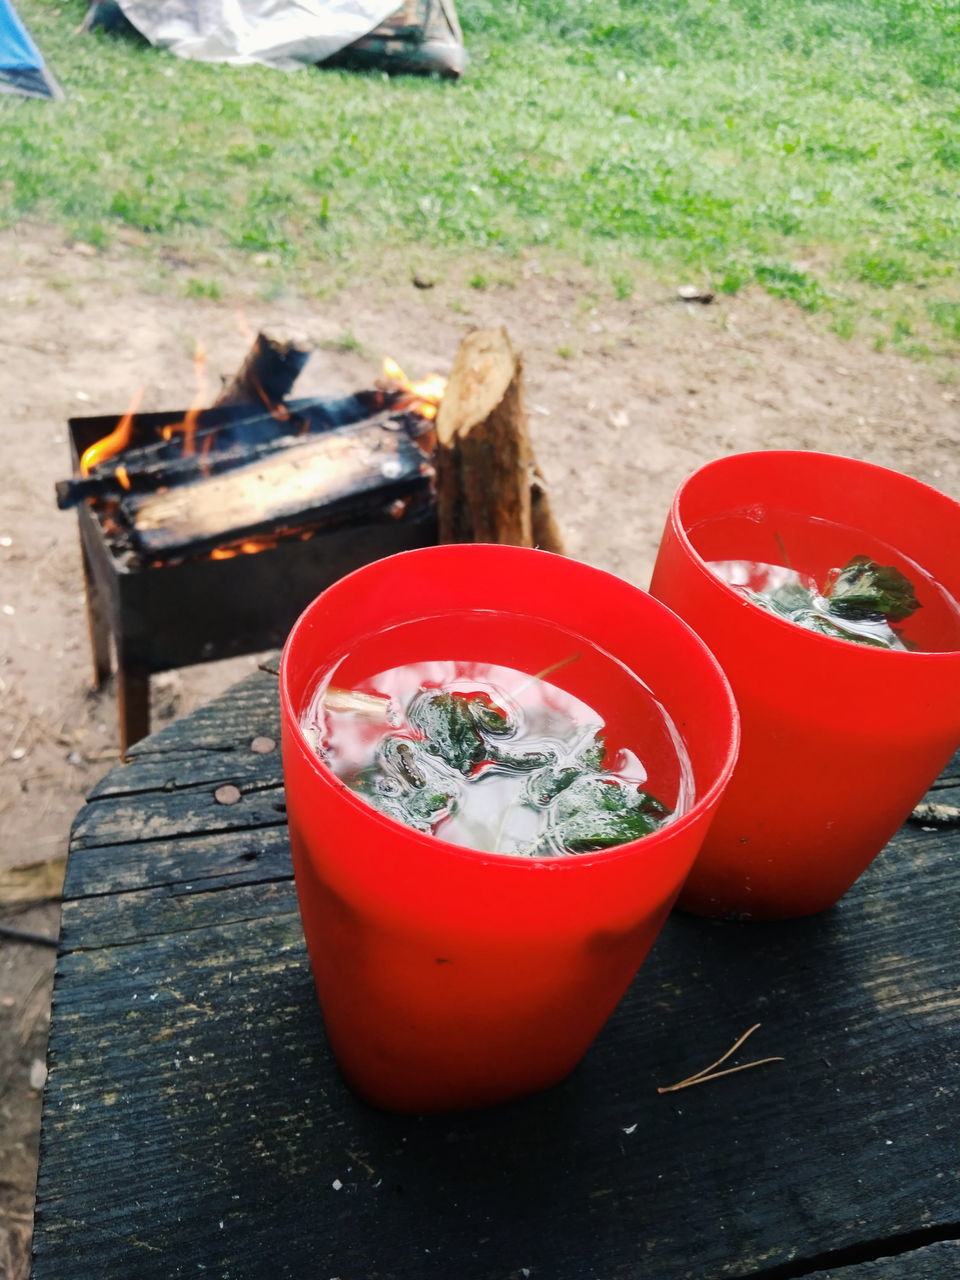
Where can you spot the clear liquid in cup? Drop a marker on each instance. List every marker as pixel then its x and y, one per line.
pixel 529 740
pixel 767 550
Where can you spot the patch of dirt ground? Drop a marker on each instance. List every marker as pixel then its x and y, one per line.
pixel 625 399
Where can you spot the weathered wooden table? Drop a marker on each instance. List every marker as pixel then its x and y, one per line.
pixel 195 1123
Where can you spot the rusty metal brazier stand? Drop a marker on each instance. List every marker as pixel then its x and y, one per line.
pixel 154 617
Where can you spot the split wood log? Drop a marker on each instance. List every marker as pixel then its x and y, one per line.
pixel 347 475
pixel 222 441
pixel 271 367
pixel 162 463
pixel 489 488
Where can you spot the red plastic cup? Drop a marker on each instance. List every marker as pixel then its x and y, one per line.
pixel 840 741
pixel 451 978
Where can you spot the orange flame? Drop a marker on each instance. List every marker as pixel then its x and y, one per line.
pixel 392 373
pixel 248 547
pixel 188 424
pixel 115 442
pixel 421 397
pixel 261 542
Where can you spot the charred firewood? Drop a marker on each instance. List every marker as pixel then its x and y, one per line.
pixel 271 367
pixel 222 440
pixel 350 474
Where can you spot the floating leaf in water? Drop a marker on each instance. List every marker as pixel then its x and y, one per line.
pixel 858 603
pixel 544 785
pixel 414 776
pixel 597 812
pixel 488 717
pixel 863 589
pixel 405 783
pixel 788 600
pixel 453 726
pixel 520 761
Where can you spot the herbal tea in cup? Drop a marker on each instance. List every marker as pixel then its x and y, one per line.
pixel 827 588
pixel 497 759
pixel 499 765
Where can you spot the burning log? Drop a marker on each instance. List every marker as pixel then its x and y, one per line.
pixel 489 488
pixel 271 367
pixel 224 438
pixel 350 473
pixel 314 488
pixel 244 511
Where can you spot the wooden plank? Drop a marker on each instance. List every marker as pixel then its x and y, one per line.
pixel 947 791
pixel 951 774
pixel 190 1072
pixel 191 1086
pixel 228 723
pixel 185 811
pixel 171 771
pixel 936 1262
pixel 176 909
pixel 238 857
pixel 172 785
pixel 273 1144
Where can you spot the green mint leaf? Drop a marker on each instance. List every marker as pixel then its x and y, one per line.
pixel 404 782
pixel 520 761
pixel 864 589
pixel 850 606
pixel 547 783
pixel 595 812
pixel 488 717
pixel 421 810
pixel 413 776
pixel 591 756
pixel 448 725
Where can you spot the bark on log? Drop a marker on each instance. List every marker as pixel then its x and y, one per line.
pixel 488 486
pixel 271 367
pixel 546 531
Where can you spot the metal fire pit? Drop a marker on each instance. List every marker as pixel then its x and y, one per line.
pixel 154 618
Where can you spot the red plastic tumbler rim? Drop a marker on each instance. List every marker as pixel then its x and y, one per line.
pixel 783 626
pixel 702 802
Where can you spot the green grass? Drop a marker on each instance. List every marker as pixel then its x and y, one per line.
pixel 811 147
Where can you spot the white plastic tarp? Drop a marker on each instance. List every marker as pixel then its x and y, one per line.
pixel 280 33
